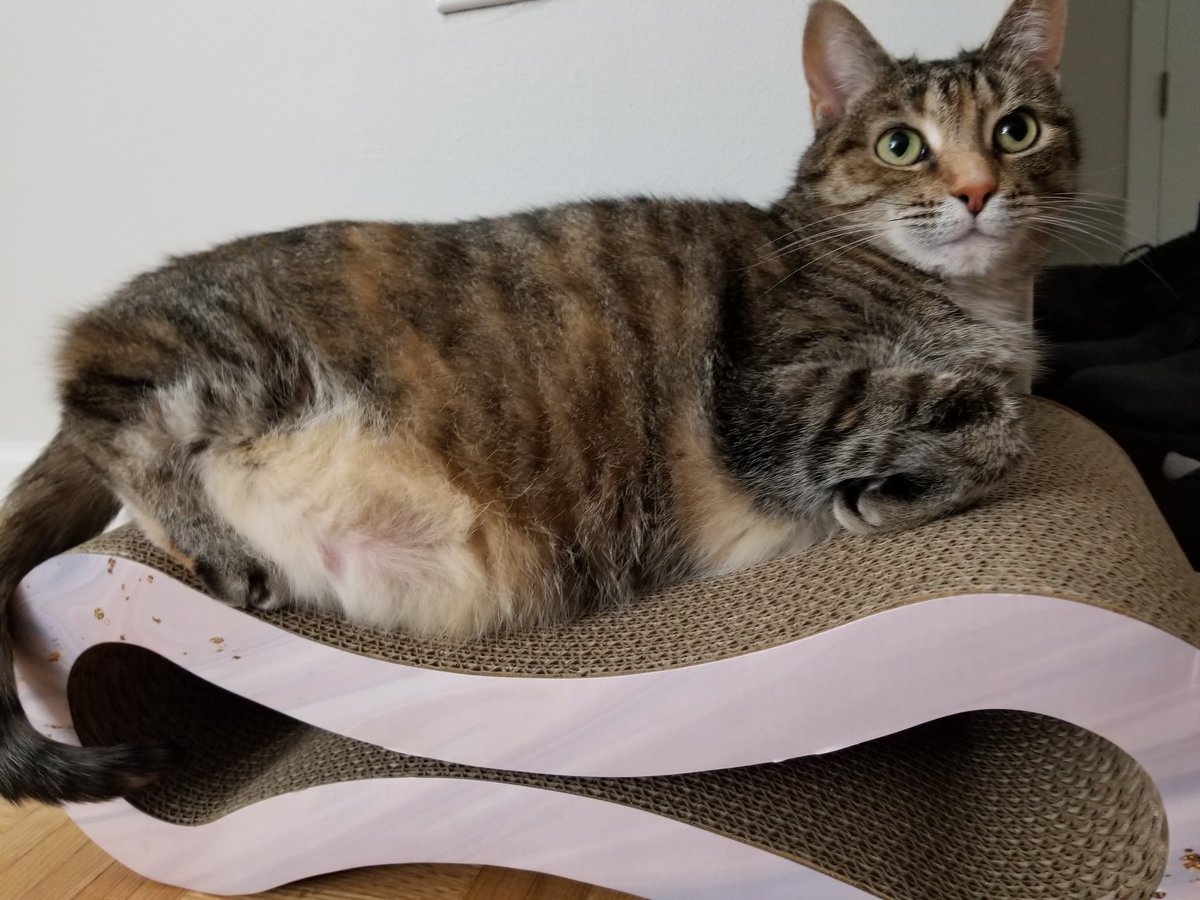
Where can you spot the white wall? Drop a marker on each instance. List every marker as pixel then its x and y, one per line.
pixel 1095 75
pixel 132 129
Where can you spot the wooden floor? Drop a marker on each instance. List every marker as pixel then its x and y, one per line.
pixel 43 856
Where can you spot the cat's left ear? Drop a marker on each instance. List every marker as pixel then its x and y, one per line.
pixel 1031 33
pixel 841 59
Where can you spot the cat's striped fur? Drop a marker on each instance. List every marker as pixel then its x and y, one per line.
pixel 463 427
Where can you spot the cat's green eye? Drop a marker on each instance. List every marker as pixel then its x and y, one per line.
pixel 1016 132
pixel 900 147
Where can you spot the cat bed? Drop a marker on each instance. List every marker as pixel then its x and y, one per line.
pixel 1002 704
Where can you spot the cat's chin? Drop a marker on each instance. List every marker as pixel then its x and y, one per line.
pixel 971 255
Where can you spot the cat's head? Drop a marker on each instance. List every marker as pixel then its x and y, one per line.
pixel 954 166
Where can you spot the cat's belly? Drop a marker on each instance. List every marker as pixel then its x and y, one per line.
pixel 370 526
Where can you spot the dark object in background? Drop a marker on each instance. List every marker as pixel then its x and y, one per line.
pixel 1180 505
pixel 1122 346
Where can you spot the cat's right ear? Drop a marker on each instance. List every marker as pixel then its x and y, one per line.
pixel 841 59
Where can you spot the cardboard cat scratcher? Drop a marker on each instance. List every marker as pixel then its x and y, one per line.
pixel 1005 704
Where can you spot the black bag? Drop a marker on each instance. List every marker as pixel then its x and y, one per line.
pixel 1121 344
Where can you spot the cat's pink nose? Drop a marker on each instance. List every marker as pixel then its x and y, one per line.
pixel 975 194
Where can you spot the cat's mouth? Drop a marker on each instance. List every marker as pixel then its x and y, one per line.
pixel 972 237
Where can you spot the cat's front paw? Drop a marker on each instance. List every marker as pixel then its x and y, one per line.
pixel 891 503
pixel 962 442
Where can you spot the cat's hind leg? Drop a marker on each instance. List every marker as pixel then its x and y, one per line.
pixel 145 419
pixel 156 477
pixel 322 506
pixel 277 482
pixel 215 553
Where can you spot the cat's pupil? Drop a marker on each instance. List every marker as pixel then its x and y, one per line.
pixel 899 144
pixel 1017 128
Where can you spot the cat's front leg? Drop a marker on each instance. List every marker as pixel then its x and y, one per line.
pixel 922 445
pixel 871 447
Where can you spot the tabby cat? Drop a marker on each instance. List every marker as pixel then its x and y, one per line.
pixel 452 428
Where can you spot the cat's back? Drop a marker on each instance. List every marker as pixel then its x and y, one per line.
pixel 491 290
pixel 622 272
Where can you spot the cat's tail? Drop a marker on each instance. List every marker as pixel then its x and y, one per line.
pixel 58 502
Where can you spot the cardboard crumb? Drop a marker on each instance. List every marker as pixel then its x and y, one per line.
pixel 112 564
pixel 98 613
pixel 235 656
pixel 217 640
pixel 149 579
pixel 156 620
pixel 121 636
pixel 54 657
